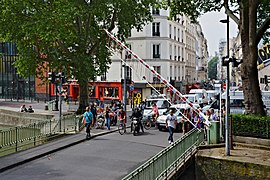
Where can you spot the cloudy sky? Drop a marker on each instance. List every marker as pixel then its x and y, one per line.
pixel 214 30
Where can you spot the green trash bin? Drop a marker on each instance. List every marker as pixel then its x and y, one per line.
pixel 213 134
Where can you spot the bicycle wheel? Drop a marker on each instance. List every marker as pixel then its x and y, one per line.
pixel 121 129
pixel 147 124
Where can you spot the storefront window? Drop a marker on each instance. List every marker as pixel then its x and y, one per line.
pixel 112 92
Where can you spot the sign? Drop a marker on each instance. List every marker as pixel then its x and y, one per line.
pixel 131 88
pixel 137 98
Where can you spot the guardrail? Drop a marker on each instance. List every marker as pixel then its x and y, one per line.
pixel 23 137
pixel 164 164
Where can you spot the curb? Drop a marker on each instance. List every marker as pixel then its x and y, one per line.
pixel 53 151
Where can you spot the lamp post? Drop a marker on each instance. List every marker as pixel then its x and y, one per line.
pixel 227 144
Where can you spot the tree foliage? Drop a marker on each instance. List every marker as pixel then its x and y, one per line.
pixel 253 20
pixel 212 68
pixel 66 35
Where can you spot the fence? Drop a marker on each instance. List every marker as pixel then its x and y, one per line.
pixel 23 137
pixel 168 161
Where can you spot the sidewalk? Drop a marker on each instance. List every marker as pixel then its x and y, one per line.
pixel 13 160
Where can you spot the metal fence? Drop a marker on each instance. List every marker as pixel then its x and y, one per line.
pixel 23 137
pixel 168 161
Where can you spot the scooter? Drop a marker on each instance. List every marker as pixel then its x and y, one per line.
pixel 135 125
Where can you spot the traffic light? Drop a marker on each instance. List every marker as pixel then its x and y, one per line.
pixel 236 62
pixel 225 61
pixel 266 79
pixel 51 77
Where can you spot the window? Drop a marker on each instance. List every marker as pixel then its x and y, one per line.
pixel 158 70
pixel 178 35
pixel 174 33
pixel 155 29
pixel 170 31
pixel 129 72
pixel 182 36
pixel 170 51
pixel 156 53
pixel 155 11
pixel 112 92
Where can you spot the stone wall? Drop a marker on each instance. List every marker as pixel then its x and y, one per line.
pixel 208 168
pixel 13 118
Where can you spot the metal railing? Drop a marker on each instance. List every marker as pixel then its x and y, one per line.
pixel 168 161
pixel 23 137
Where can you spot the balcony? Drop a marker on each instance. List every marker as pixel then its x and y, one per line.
pixel 156 34
pixel 156 55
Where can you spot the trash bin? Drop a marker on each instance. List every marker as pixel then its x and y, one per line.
pixel 213 134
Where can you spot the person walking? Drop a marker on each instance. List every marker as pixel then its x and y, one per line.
pixel 88 119
pixel 94 112
pixel 107 117
pixel 171 123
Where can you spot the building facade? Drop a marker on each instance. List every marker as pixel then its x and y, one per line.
pixel 175 48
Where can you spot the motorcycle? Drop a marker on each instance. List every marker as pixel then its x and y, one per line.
pixel 135 125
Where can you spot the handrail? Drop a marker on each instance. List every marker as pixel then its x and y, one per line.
pixel 161 164
pixel 21 137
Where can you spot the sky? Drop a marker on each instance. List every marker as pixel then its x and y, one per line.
pixel 214 30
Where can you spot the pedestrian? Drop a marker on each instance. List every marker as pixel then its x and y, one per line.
pixel 107 117
pixel 23 108
pixel 88 119
pixel 94 112
pixel 102 104
pixel 30 109
pixel 213 116
pixel 171 123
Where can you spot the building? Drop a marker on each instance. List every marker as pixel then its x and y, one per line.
pixel 175 48
pixel 12 85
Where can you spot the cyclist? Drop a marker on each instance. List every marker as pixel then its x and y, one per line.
pixel 122 117
pixel 137 114
pixel 155 113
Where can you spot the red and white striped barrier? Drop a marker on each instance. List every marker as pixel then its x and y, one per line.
pixel 163 80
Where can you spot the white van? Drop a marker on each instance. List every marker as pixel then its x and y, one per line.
pixel 193 98
pixel 202 95
pixel 237 101
pixel 162 104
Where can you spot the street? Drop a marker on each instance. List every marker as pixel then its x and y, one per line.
pixel 110 156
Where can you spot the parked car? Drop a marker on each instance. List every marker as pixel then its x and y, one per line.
pixel 178 109
pixel 203 98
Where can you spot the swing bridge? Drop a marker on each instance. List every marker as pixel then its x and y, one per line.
pixel 171 160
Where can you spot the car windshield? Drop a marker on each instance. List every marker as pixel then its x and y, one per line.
pixel 174 109
pixel 160 104
pixel 191 98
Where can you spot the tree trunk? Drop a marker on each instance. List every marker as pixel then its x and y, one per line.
pixel 83 100
pixel 249 72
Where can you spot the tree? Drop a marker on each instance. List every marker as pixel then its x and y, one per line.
pixel 66 35
pixel 253 20
pixel 212 68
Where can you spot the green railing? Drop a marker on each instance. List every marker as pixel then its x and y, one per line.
pixel 168 161
pixel 23 137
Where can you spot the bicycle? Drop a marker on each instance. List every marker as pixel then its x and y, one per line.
pixel 122 127
pixel 147 124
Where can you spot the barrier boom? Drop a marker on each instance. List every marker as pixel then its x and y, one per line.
pixel 163 80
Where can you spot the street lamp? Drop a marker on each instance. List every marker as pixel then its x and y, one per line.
pixel 227 144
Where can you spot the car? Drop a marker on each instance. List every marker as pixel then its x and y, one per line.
pixel 203 98
pixel 162 104
pixel 179 110
pixel 193 98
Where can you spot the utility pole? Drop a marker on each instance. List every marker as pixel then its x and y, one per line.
pixel 227 119
pixel 228 93
pixel 125 85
